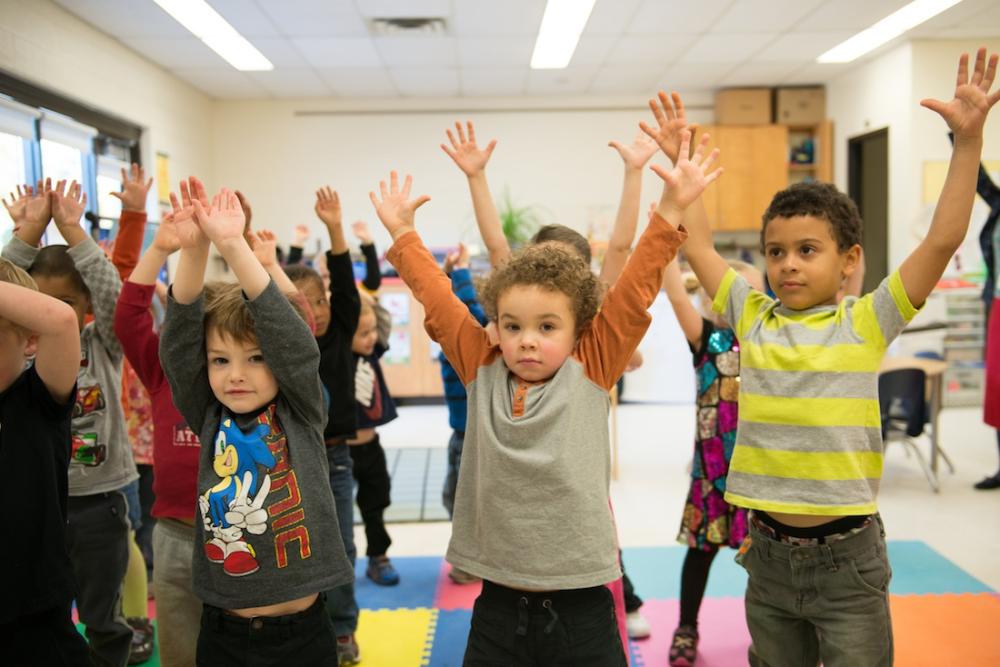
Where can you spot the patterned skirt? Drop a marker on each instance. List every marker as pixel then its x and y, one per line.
pixel 709 521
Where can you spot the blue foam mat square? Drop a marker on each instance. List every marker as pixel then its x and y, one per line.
pixel 418 580
pixel 450 636
pixel 918 569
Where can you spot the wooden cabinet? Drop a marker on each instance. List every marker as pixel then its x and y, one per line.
pixel 755 159
pixel 810 150
pixel 410 366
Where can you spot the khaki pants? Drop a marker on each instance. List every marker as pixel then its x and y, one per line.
pixel 178 609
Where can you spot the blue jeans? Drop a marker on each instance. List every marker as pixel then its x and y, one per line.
pixel 455 443
pixel 341 604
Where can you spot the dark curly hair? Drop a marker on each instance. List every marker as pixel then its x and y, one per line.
pixel 54 261
pixel 821 200
pixel 549 267
pixel 563 234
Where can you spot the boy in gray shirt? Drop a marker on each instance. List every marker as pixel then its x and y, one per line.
pixel 244 371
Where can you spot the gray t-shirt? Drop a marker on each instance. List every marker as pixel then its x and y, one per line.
pixel 268 531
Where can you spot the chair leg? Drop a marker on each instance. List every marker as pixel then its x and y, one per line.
pixel 928 473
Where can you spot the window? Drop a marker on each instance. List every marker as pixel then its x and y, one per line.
pixel 17 133
pixel 67 153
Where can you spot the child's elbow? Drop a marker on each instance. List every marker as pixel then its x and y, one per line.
pixel 62 318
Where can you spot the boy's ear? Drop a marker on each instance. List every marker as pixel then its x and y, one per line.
pixel 31 346
pixel 852 260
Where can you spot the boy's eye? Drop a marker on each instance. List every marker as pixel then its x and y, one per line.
pixel 218 361
pixel 548 327
pixel 257 358
pixel 808 250
pixel 774 252
pixel 511 327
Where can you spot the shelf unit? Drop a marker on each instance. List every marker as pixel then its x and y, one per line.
pixel 963 347
pixel 820 168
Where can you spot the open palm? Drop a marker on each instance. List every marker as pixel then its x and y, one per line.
pixel 67 209
pixel 966 113
pixel 670 122
pixel 690 176
pixel 265 247
pixel 465 151
pixel 135 188
pixel 636 154
pixel 328 206
pixel 395 208
pixel 189 234
pixel 167 239
pixel 223 220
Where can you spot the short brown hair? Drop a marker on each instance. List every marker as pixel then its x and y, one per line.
pixel 820 200
pixel 550 267
pixel 54 261
pixel 227 313
pixel 563 234
pixel 299 273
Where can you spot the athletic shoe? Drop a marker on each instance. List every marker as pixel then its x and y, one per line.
pixel 348 652
pixel 142 640
pixel 684 648
pixel 637 626
pixel 381 571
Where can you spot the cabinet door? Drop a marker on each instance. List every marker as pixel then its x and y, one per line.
pixel 711 196
pixel 736 185
pixel 769 175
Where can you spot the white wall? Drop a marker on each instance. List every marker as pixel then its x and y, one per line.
pixel 886 92
pixel 42 43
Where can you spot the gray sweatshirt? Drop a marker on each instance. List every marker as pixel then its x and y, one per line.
pixel 101 457
pixel 268 531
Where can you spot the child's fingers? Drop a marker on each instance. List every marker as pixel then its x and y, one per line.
pixel 979 67
pixel 383 190
pixel 667 105
pixel 124 176
pixel 420 201
pixel 461 132
pixel 174 204
pixel 447 150
pixel 714 175
pixel 678 105
pixel 963 70
pixel 699 151
pixel 185 194
pixel 710 160
pixel 394 182
pixel 371 196
pixel 991 72
pixel 661 172
pixel 936 106
pixel 490 147
pixel 657 110
pixel 451 138
pixel 472 131
pixel 407 183
pixel 685 149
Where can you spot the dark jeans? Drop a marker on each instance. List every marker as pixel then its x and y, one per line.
pixel 340 602
pixel 43 639
pixel 97 535
pixel 372 475
pixel 575 628
pixel 455 443
pixel 144 536
pixel 304 639
pixel 828 602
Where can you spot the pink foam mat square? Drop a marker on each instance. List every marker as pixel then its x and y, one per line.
pixel 450 596
pixel 724 638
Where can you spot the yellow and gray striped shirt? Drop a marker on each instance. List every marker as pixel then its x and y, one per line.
pixel 809 439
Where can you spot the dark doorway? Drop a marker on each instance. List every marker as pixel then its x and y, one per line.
pixel 868 186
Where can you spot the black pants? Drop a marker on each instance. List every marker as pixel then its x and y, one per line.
pixel 372 475
pixel 97 535
pixel 575 628
pixel 305 639
pixel 43 639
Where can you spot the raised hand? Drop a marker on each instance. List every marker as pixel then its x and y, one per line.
pixel 465 152
pixel 966 113
pixel 38 210
pixel 457 259
pixel 166 239
pixel 68 207
pixel 135 188
pixel 301 236
pixel 636 154
pixel 265 246
pixel 328 207
pixel 395 208
pixel 186 230
pixel 245 204
pixel 223 220
pixel 670 122
pixel 689 177
pixel 361 233
pixel 18 205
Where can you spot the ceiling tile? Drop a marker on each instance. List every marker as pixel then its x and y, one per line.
pixel 315 18
pixel 280 51
pixel 658 17
pixel 338 52
pixel 662 49
pixel 801 46
pixel 490 82
pixel 425 81
pixel 572 80
pixel 223 82
pixel 967 19
pixel 359 82
pixel 694 76
pixel 492 17
pixel 404 8
pixel 175 52
pixel 593 49
pixel 136 19
pixel 494 51
pixel 759 74
pixel 417 51
pixel 816 73
pixel 726 48
pixel 246 17
pixel 626 79
pixel 763 15
pixel 292 83
pixel 852 15
pixel 611 17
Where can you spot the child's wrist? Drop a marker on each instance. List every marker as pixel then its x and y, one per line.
pixel 402 230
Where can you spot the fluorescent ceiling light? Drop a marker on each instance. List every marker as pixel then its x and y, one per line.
pixel 562 25
pixel 207 25
pixel 889 28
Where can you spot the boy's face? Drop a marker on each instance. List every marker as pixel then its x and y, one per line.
pixel 64 289
pixel 15 348
pixel 805 268
pixel 537 330
pixel 366 335
pixel 238 374
pixel 318 301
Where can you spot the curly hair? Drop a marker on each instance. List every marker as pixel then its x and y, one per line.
pixel 563 234
pixel 550 267
pixel 821 200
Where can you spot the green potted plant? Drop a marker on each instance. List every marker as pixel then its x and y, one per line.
pixel 519 222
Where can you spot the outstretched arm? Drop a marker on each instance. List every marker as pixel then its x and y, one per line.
pixel 687 316
pixel 373 272
pixel 223 223
pixel 965 115
pixel 472 161
pixel 190 278
pixel 132 223
pixel 635 158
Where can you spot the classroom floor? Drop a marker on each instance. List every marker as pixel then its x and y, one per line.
pixel 943 550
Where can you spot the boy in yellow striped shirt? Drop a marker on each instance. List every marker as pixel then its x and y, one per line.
pixel 808 456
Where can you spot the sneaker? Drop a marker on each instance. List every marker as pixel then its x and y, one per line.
pixel 381 571
pixel 142 640
pixel 636 625
pixel 988 483
pixel 461 577
pixel 684 648
pixel 348 652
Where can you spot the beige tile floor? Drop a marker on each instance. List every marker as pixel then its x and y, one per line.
pixel 655 448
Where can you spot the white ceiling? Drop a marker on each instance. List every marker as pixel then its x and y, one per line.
pixel 323 48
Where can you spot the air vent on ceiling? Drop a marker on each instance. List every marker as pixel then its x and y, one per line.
pixel 408 26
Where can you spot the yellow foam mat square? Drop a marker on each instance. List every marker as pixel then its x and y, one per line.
pixel 396 637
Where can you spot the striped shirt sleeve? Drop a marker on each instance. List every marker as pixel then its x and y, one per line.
pixel 883 313
pixel 738 302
